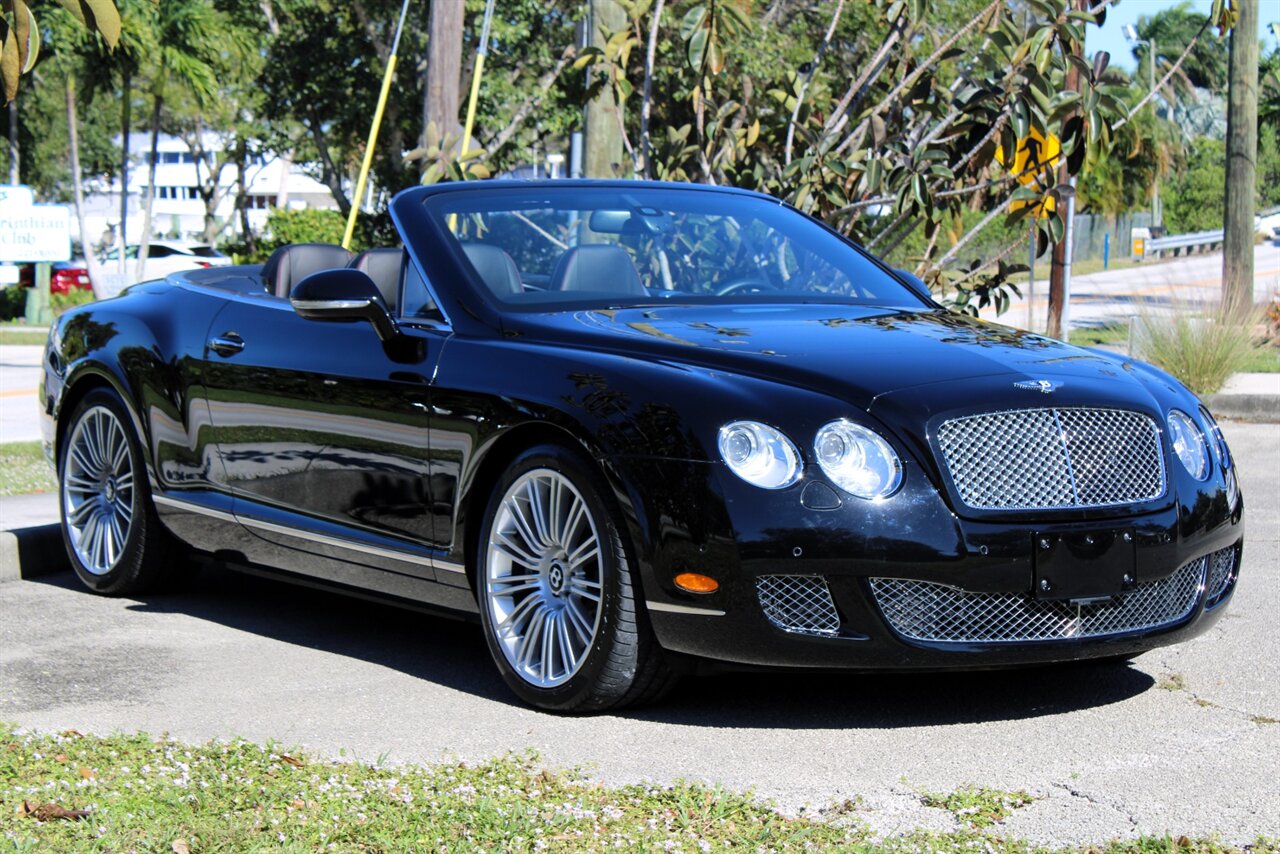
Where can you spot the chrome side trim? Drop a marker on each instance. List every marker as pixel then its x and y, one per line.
pixel 192 507
pixel 450 566
pixel 336 542
pixel 682 609
pixel 323 539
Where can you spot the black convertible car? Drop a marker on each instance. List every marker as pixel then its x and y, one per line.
pixel 642 429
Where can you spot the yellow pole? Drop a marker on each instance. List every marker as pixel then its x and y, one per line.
pixel 471 104
pixel 373 130
pixel 368 153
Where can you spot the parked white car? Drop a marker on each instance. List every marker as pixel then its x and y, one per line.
pixel 168 256
pixel 1269 224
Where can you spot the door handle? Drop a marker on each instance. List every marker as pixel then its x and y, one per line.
pixel 227 344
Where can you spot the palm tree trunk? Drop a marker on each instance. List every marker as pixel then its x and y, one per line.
pixel 96 278
pixel 125 122
pixel 145 243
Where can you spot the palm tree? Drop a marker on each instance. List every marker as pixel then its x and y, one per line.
pixel 186 34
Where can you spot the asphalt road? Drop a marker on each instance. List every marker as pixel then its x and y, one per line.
pixel 19 376
pixel 1110 752
pixel 1154 286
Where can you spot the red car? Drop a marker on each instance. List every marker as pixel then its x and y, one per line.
pixel 64 276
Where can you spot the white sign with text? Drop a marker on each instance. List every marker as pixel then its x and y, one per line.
pixel 31 232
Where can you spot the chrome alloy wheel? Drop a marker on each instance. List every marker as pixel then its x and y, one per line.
pixel 97 489
pixel 543 578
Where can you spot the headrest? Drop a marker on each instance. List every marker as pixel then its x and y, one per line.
pixel 596 267
pixel 290 264
pixel 495 267
pixel 383 266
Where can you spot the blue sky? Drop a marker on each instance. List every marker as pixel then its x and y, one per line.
pixel 1111 38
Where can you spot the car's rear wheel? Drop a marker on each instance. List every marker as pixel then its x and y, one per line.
pixel 115 542
pixel 557 598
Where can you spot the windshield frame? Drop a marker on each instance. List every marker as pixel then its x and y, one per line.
pixel 438 204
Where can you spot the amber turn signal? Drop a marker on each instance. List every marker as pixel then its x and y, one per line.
pixel 695 583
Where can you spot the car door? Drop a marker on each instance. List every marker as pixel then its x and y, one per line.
pixel 323 437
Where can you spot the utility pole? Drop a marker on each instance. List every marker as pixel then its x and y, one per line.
pixel 1242 158
pixel 604 133
pixel 444 68
pixel 1058 266
pixel 15 174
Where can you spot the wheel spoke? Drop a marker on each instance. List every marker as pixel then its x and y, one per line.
pixel 554 496
pixel 510 624
pixel 79 514
pixel 80 456
pixel 579 557
pixel 584 588
pixel 80 485
pixel 513 584
pixel 113 539
pixel 120 454
pixel 538 510
pixel 579 621
pixel 95 541
pixel 508 547
pixel 548 643
pixel 568 659
pixel 529 643
pixel 125 509
pixel 577 511
pixel 521 522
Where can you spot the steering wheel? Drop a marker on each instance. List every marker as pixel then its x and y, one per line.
pixel 745 283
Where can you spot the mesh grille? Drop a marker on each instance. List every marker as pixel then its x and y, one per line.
pixel 1222 565
pixel 798 603
pixel 1041 459
pixel 925 611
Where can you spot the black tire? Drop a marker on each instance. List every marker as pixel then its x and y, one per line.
pixel 622 664
pixel 147 554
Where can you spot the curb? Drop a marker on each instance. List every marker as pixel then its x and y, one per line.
pixel 31 552
pixel 1246 407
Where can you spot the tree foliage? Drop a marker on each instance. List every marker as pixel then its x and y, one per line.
pixel 20 34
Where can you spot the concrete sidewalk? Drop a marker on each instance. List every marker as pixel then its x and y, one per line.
pixel 1248 397
pixel 30 540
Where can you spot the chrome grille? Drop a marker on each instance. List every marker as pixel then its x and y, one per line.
pixel 798 603
pixel 1045 459
pixel 925 611
pixel 1222 566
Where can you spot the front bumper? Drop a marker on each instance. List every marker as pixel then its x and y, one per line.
pixel 910 584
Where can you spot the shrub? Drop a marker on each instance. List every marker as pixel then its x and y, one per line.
pixel 13 302
pixel 1202 349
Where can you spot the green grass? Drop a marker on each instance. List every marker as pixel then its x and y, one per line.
pixel 160 795
pixel 1262 360
pixel 977 806
pixel 23 469
pixel 1116 335
pixel 18 335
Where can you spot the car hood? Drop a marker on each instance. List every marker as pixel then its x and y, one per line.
pixel 854 353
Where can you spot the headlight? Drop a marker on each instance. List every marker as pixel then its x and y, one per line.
pixel 857 460
pixel 759 454
pixel 1189 444
pixel 1223 454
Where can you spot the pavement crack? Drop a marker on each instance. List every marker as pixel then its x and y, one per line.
pixel 1085 796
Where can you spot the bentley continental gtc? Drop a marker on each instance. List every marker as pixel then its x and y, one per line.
pixel 639 430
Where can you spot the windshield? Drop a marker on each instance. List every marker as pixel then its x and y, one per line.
pixel 546 248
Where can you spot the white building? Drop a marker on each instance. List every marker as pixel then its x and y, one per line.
pixel 177 208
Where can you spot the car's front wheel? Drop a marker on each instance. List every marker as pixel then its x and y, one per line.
pixel 557 598
pixel 115 542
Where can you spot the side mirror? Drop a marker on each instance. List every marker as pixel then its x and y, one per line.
pixel 344 294
pixel 916 284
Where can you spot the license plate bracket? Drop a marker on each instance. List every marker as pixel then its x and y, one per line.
pixel 1084 565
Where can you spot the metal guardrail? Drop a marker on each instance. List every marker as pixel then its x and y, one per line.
pixel 1202 240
